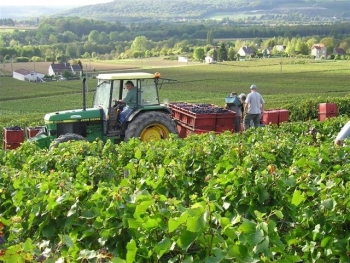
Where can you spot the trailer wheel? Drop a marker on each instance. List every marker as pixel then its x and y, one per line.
pixel 66 138
pixel 151 126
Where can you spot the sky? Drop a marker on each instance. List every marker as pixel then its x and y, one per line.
pixel 50 3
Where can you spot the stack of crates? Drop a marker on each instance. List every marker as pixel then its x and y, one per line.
pixel 276 116
pixel 327 110
pixel 13 137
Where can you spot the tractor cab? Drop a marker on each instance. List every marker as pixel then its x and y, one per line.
pixel 111 87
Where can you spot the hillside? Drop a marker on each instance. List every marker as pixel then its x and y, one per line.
pixel 26 12
pixel 146 10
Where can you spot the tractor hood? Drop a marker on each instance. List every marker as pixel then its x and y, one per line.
pixel 92 114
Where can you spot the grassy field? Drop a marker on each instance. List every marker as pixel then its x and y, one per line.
pixel 10 29
pixel 92 66
pixel 198 83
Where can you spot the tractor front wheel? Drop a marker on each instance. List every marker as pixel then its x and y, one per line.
pixel 67 138
pixel 151 126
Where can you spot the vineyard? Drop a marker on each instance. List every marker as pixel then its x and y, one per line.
pixel 299 88
pixel 209 198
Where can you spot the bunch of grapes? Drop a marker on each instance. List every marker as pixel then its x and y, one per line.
pixel 14 128
pixel 204 105
pixel 207 109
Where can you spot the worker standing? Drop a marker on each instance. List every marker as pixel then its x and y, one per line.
pixel 255 108
pixel 236 106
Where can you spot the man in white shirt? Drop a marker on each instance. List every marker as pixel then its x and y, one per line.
pixel 344 132
pixel 255 108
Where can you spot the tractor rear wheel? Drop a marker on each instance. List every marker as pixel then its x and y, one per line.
pixel 151 126
pixel 67 138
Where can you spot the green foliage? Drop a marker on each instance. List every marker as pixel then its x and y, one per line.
pixel 198 53
pixel 139 45
pixel 66 74
pixel 277 194
pixel 223 56
pixel 22 59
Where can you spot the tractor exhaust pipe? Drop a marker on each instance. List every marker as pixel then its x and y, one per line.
pixel 84 94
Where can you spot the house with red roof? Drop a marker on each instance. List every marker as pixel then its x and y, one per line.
pixel 319 51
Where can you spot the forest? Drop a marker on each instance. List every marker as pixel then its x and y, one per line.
pixel 59 39
pixel 170 10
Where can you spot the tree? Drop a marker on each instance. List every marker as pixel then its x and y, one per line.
pixel 222 52
pixel 113 36
pixel 311 42
pixel 80 65
pixel 103 38
pixel 66 74
pixel 290 50
pixel 94 36
pixel 329 44
pixel 301 47
pixel 139 45
pixel 231 54
pixel 53 39
pixel 215 55
pixel 198 53
pixel 210 39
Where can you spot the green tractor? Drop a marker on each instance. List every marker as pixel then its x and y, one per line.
pixel 148 120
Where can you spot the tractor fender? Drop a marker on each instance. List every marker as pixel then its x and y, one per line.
pixel 41 140
pixel 136 112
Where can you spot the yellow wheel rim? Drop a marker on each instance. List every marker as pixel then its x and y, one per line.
pixel 154 132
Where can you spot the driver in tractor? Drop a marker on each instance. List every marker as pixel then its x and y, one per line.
pixel 130 100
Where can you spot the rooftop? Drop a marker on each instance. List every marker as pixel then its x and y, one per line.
pixel 23 71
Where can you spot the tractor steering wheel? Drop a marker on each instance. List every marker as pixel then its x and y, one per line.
pixel 119 105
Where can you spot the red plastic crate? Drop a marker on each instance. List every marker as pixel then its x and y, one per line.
pixel 13 136
pixel 283 116
pixel 324 116
pixel 270 117
pixel 182 131
pixel 197 121
pixel 225 119
pixel 176 114
pixel 11 145
pixel 32 132
pixel 328 108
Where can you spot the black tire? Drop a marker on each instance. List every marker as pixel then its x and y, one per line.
pixel 150 120
pixel 67 138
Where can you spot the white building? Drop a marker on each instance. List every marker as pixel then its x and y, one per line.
pixel 182 59
pixel 280 48
pixel 27 75
pixel 59 69
pixel 319 51
pixel 208 60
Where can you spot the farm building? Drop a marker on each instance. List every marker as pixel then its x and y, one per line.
pixel 339 51
pixel 208 60
pixel 246 51
pixel 182 59
pixel 280 48
pixel 27 75
pixel 267 51
pixel 58 69
pixel 319 51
